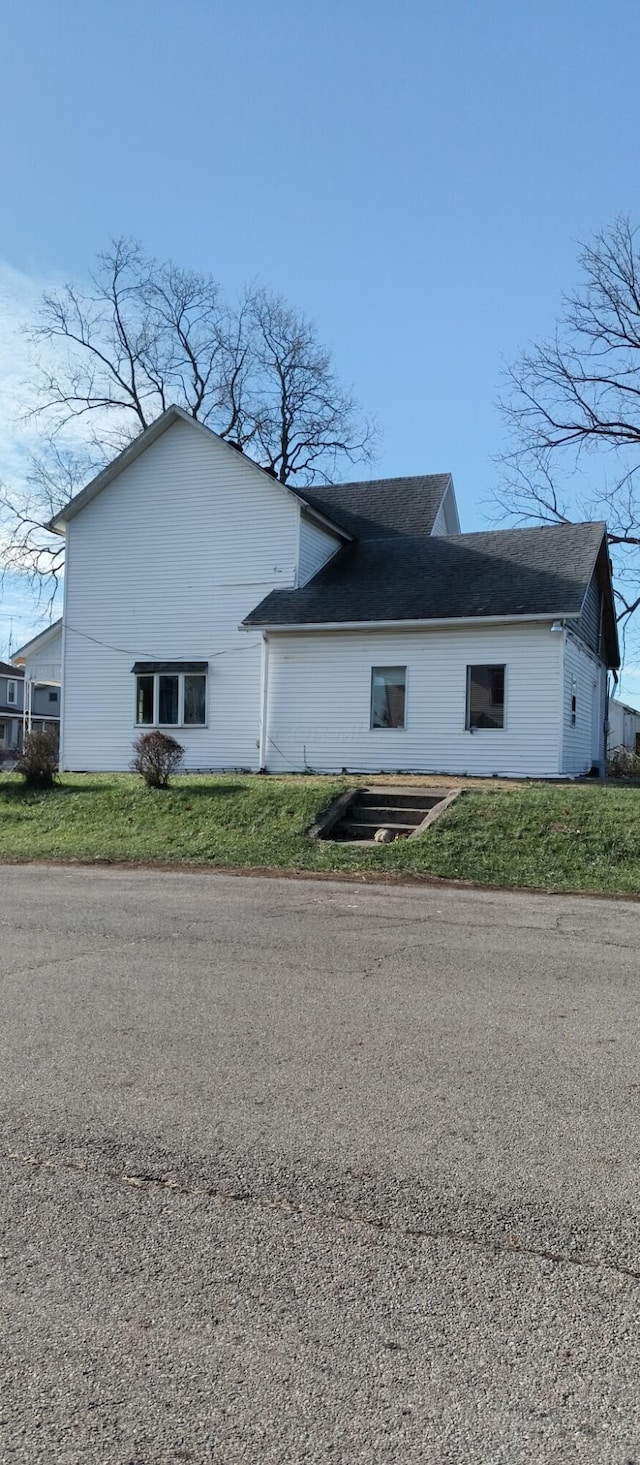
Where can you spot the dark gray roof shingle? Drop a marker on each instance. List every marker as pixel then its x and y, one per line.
pixel 15 672
pixel 509 572
pixel 381 507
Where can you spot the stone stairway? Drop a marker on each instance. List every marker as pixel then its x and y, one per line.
pixel 399 811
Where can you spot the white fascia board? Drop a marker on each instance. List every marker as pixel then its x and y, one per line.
pixel 450 494
pixel 322 519
pixel 441 624
pixel 144 440
pixel 37 642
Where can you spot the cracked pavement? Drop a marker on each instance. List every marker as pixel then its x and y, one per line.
pixel 304 1171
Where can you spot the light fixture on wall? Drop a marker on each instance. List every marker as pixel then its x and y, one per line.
pixel 557 625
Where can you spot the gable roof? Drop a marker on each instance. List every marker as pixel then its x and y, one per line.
pixel 140 444
pixel 37 642
pixel 13 672
pixel 505 574
pixel 382 507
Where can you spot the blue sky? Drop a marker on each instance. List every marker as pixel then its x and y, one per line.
pixel 415 174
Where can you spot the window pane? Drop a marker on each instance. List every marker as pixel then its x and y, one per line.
pixel 195 699
pixel 53 696
pixel 485 696
pixel 388 684
pixel 144 700
pixel 168 703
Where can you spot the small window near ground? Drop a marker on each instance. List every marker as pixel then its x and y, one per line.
pixel 388 696
pixel 2 732
pixel 12 693
pixel 485 697
pixel 53 696
pixel 574 701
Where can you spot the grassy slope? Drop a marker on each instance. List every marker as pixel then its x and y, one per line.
pixel 557 838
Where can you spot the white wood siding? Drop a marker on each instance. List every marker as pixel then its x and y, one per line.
pixel 583 745
pixel 45 665
pixel 163 565
pixel 317 546
pixel 319 701
pixel 624 726
pixel 440 521
pixel 446 520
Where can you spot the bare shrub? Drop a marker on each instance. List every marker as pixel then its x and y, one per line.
pixel 38 762
pixel 157 756
pixel 623 763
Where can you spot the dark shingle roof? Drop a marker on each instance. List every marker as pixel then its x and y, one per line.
pixel 15 672
pixel 382 507
pixel 508 572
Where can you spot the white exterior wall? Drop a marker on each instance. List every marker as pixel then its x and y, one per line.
pixel 583 745
pixel 440 521
pixel 624 726
pixel 163 565
pixel 320 690
pixel 317 546
pixel 45 665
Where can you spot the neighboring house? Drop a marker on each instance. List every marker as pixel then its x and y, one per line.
pixel 40 661
pixel 347 627
pixel 11 691
pixel 44 704
pixel 624 727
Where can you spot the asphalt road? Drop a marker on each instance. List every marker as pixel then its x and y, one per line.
pixel 304 1171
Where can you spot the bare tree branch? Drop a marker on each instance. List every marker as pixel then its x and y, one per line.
pixel 144 334
pixel 571 404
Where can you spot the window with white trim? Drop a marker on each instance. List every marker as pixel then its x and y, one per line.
pixel 388 696
pixel 485 697
pixel 171 694
pixel 12 694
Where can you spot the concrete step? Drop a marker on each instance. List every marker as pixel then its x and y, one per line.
pixel 380 814
pixel 351 829
pixel 402 799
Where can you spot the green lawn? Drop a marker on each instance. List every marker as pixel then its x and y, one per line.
pixel 555 838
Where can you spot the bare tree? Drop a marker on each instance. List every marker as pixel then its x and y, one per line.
pixel 572 408
pixel 144 334
pixel 300 417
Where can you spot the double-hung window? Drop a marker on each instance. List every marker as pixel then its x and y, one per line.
pixel 485 697
pixel 12 694
pixel 171 693
pixel 388 696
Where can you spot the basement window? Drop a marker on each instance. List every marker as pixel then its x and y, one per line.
pixel 171 694
pixel 388 696
pixel 485 697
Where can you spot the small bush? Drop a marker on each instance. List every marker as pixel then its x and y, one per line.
pixel 623 763
pixel 38 762
pixel 157 756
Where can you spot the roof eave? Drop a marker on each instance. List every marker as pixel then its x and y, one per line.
pixel 58 523
pixel 424 624
pixel 40 640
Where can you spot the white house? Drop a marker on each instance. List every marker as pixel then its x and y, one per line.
pixel 624 727
pixel 337 627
